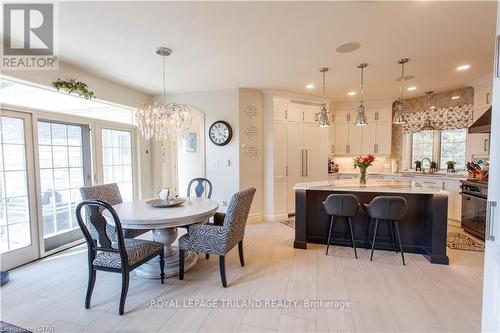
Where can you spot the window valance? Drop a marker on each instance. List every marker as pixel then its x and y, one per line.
pixel 447 118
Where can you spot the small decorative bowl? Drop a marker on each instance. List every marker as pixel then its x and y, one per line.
pixel 159 203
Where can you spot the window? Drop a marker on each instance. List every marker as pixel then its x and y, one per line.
pixel 453 144
pixel 61 175
pixel 117 160
pixel 422 146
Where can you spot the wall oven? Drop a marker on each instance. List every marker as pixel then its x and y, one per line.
pixel 474 202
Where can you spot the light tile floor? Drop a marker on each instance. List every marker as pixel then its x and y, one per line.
pixel 385 295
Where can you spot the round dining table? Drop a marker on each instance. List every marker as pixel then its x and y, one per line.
pixel 137 214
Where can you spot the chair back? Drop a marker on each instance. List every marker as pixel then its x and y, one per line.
pixel 203 188
pixel 237 215
pixel 387 208
pixel 341 205
pixel 110 194
pixel 104 241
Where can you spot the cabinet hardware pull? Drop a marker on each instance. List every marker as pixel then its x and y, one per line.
pixel 332 148
pixel 286 114
pixel 307 158
pixel 348 148
pixel 348 117
pixel 490 208
pixel 286 170
pixel 485 145
pixel 316 116
pixel 376 115
pixel 302 115
pixel 488 97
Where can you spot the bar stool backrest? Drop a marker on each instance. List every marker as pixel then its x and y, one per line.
pixel 341 205
pixel 387 208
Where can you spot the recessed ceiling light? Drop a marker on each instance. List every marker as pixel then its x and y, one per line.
pixel 463 67
pixel 455 97
pixel 412 88
pixel 351 93
pixel 348 47
pixel 310 86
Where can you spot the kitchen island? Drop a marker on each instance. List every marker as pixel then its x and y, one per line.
pixel 423 229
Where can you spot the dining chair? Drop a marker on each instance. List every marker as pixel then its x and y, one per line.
pixel 219 239
pixel 109 193
pixel 120 256
pixel 203 188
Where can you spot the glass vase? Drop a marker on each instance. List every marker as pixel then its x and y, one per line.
pixel 362 175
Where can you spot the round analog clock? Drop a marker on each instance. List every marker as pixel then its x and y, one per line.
pixel 220 133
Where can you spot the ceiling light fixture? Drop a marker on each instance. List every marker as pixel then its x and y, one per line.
pixel 427 127
pixel 463 67
pixel 323 112
pixel 399 106
pixel 310 86
pixel 411 88
pixel 348 47
pixel 455 97
pixel 161 120
pixel 351 93
pixel 361 115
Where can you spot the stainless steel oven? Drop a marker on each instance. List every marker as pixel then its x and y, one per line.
pixel 474 202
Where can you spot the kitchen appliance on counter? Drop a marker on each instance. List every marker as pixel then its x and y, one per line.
pixel 474 201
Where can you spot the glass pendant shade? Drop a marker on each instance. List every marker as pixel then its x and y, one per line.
pixel 162 120
pixel 361 116
pixel 323 117
pixel 399 108
pixel 427 126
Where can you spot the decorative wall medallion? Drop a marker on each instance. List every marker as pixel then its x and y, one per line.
pixel 251 132
pixel 251 111
pixel 252 151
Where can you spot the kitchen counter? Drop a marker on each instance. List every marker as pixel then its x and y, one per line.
pixel 379 186
pixel 410 174
pixel 423 230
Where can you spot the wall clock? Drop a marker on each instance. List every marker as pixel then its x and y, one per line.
pixel 220 133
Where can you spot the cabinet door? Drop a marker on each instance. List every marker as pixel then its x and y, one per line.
pixel 311 114
pixel 368 138
pixel 279 111
pixel 294 161
pixel 355 135
pixel 280 144
pixel 448 186
pixel 341 116
pixel 479 144
pixel 384 114
pixel 383 142
pixel 341 135
pixel 315 142
pixel 295 112
pixel 482 98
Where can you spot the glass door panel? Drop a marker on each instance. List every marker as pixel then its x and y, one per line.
pixel 61 150
pixel 18 243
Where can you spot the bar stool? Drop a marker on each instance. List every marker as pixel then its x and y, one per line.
pixel 391 209
pixel 341 205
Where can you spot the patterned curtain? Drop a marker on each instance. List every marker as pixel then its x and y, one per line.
pixel 447 118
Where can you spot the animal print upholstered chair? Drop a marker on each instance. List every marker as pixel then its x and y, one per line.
pixel 219 239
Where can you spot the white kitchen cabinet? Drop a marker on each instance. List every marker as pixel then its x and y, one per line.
pixel 355 142
pixel 279 156
pixel 295 112
pixel 369 138
pixel 279 111
pixel 311 114
pixel 315 144
pixel 482 101
pixel 454 199
pixel 383 143
pixel 479 144
pixel 295 167
pixel 341 138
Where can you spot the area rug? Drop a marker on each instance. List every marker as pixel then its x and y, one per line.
pixel 290 222
pixel 458 241
pixel 9 328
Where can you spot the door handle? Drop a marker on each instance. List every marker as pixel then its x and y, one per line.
pixel 485 145
pixel 302 162
pixel 348 148
pixel 307 162
pixel 286 170
pixel 490 209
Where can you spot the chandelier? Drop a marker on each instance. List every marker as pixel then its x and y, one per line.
pixel 323 112
pixel 399 107
pixel 361 114
pixel 161 120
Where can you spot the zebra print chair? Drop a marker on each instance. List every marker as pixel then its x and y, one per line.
pixel 219 239
pixel 120 256
pixel 109 193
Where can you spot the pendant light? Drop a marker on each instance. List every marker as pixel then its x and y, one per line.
pixel 323 112
pixel 427 127
pixel 361 115
pixel 162 120
pixel 398 118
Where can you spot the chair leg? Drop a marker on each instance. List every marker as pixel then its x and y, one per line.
pixel 90 287
pixel 123 296
pixel 207 256
pixel 352 237
pixel 222 267
pixel 368 230
pixel 181 264
pixel 392 231
pixel 162 267
pixel 332 222
pixel 240 251
pixel 399 241
pixel 374 237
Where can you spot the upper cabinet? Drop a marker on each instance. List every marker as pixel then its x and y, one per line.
pixel 351 140
pixel 482 100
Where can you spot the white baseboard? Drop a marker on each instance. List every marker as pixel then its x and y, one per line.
pixel 276 217
pixel 255 218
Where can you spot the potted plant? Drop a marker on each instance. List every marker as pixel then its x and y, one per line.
pixel 418 165
pixel 362 163
pixel 450 166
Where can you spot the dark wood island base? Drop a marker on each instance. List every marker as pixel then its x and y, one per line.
pixel 423 229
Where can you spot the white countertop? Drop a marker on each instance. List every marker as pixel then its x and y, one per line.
pixel 410 174
pixel 379 186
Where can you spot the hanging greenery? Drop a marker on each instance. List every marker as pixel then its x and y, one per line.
pixel 73 86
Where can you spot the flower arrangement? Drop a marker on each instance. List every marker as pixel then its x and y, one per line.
pixel 73 86
pixel 363 163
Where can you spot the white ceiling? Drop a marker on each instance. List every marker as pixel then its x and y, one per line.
pixel 278 45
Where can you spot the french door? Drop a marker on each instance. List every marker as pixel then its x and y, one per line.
pixel 18 224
